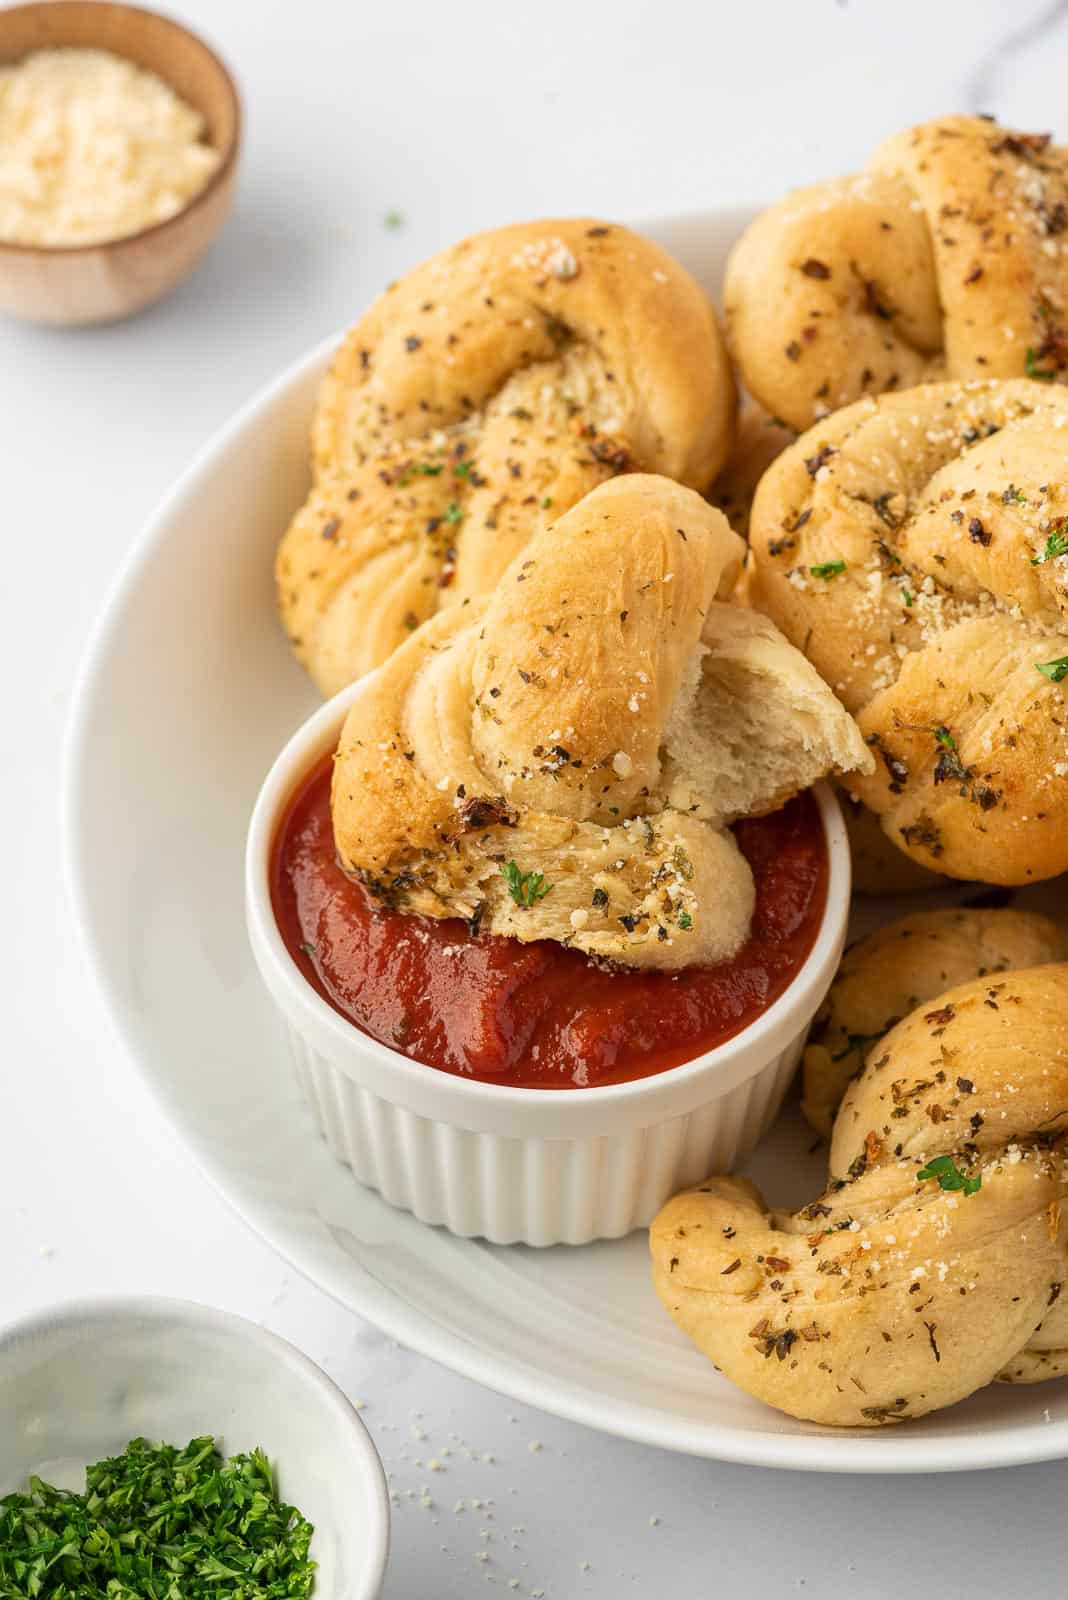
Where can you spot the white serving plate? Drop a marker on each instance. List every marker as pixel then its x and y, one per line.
pixel 187 694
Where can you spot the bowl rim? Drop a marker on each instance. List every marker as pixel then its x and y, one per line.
pixel 418 1085
pixel 228 153
pixel 101 1309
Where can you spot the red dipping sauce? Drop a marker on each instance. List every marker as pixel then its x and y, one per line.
pixel 536 1016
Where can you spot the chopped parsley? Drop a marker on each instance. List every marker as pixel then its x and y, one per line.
pixel 949 1175
pixel 1056 545
pixel 685 920
pixel 157 1523
pixel 1033 370
pixel 394 219
pixel 949 764
pixel 1053 670
pixel 453 513
pixel 827 569
pixel 1013 496
pixel 525 888
pixel 419 469
pixel 908 597
pixel 462 469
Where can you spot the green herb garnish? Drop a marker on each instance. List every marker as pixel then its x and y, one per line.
pixel 394 219
pixel 157 1523
pixel 1014 497
pixel 908 597
pixel 949 1175
pixel 1056 545
pixel 453 513
pixel 949 764
pixel 418 469
pixel 462 469
pixel 827 569
pixel 1053 670
pixel 525 888
pixel 546 503
pixel 1033 370
pixel 685 920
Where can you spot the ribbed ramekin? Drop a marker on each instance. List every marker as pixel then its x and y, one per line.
pixel 531 1166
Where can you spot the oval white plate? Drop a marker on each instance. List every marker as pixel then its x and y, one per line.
pixel 187 694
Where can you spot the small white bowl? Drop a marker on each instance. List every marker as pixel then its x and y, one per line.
pixel 530 1166
pixel 80 1380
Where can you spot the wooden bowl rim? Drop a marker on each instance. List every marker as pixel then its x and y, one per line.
pixel 227 154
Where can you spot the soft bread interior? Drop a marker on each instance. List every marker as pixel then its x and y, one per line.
pixel 753 723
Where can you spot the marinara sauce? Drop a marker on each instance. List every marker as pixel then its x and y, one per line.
pixel 537 1016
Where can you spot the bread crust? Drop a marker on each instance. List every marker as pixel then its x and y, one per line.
pixel 879 867
pixel 908 962
pixel 479 397
pixel 758 440
pixel 944 258
pixel 598 721
pixel 910 546
pixel 893 1295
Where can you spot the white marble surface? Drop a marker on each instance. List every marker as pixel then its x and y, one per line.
pixel 457 117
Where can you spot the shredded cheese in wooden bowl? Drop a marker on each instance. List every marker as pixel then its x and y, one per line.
pixel 93 148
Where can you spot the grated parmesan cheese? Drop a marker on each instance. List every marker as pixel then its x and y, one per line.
pixel 93 148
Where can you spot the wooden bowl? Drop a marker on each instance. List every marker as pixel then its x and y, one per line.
pixel 78 284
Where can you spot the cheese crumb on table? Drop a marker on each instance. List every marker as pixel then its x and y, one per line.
pixel 93 148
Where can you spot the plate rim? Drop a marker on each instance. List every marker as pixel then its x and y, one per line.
pixel 346 1279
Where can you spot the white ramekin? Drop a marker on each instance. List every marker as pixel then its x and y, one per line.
pixel 531 1166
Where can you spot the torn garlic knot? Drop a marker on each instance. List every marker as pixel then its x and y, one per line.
pixel 563 759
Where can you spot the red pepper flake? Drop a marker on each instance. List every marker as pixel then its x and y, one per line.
pixel 735 1264
pixel 777 1264
pixel 943 1015
pixel 873 1147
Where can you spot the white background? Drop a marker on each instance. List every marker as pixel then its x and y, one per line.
pixel 458 117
